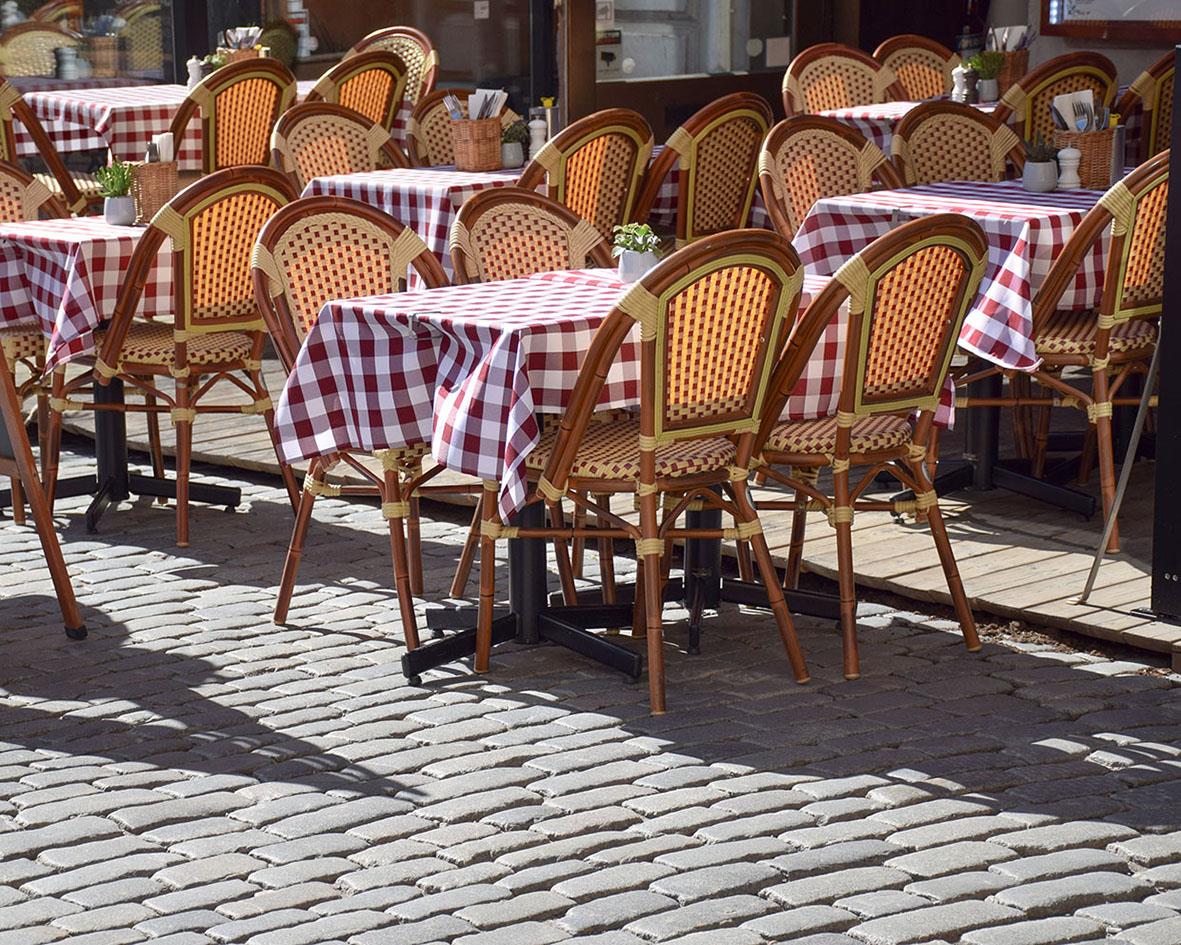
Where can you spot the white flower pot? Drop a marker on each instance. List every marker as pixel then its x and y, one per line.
pixel 512 154
pixel 988 89
pixel 1040 178
pixel 633 265
pixel 119 211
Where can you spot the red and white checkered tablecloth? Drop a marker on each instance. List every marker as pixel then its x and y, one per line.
pixel 664 207
pixel 67 273
pixel 877 122
pixel 426 199
pixel 468 368
pixel 1025 231
pixel 123 120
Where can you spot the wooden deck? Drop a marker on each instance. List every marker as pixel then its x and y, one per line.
pixel 1019 558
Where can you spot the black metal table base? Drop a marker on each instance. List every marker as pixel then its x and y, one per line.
pixel 811 603
pixel 114 491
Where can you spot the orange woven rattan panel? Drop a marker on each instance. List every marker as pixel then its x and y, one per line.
pixel 726 160
pixel 922 72
pixel 599 177
pixel 951 147
pixel 321 145
pixel 369 93
pixel 151 343
pixel 1074 333
pixel 909 318
pixel 836 82
pixel 243 115
pixel 31 53
pixel 512 242
pixel 1144 278
pixel 21 343
pixel 612 451
pixel 1041 120
pixel 871 434
pixel 414 58
pixel 222 239
pixel 714 329
pixel 817 164
pixel 332 256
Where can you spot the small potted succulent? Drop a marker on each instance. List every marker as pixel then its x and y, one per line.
pixel 512 144
pixel 1041 166
pixel 115 183
pixel 987 65
pixel 637 248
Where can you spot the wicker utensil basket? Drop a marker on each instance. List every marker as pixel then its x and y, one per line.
pixel 1094 167
pixel 103 53
pixel 152 186
pixel 477 144
pixel 1016 64
pixel 237 55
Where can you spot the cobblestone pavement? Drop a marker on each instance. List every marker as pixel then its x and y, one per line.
pixel 192 773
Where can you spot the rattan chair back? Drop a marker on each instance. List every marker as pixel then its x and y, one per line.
pixel 238 105
pixel 1151 96
pixel 807 158
pixel 27 48
pixel 1028 100
pixel 717 154
pixel 510 233
pixel 940 141
pixel 921 65
pixel 14 108
pixel 428 131
pixel 142 35
pixel 595 166
pixel 22 197
pixel 66 12
pixel 832 75
pixel 371 83
pixel 416 51
pixel 318 139
pixel 322 248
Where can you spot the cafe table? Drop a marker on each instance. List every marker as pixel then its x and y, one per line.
pixel 473 370
pixel 65 276
pixel 1026 232
pixel 878 121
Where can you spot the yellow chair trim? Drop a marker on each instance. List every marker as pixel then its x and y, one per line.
pixel 845 418
pixel 495 530
pixel 9 96
pixel 854 275
pixel 882 80
pixel 174 226
pixel 407 247
pixel 644 307
pixel 1105 322
pixel 868 160
pixel 1100 364
pixel 318 487
pixel 180 372
pixel 201 95
pixel 647 488
pixel 926 500
pixel 183 414
pixel 649 546
pixel 1120 203
pixel 1144 87
pixel 839 465
pixel 550 159
pixel 376 137
pixel 839 515
pixel 262 259
pixel 916 452
pixel 1003 141
pixel 102 369
pixel 326 88
pixel 251 364
pixel 582 239
pixel 744 531
pixel 739 474
pixel 1014 98
pixel 395 509
pixel 648 443
pixel 259 406
pixel 549 491
pixel 1096 411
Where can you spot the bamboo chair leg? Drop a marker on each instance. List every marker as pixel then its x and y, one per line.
pixel 606 553
pixel 299 531
pixel 578 546
pixel 1022 437
pixel 43 414
pixel 563 558
pixel 285 470
pixel 155 450
pixel 1105 447
pixel 746 571
pixel 491 516
pixel 846 583
pixel 1041 440
pixel 402 583
pixel 463 569
pixel 184 456
pixel 639 611
pixel 1086 463
pixel 52 457
pixel 947 560
pixel 18 501
pixel 653 609
pixel 414 546
pixel 795 552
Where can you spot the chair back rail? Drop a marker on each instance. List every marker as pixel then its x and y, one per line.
pixel 1026 105
pixel 717 153
pixel 318 139
pixel 1151 97
pixel 942 141
pixel 13 107
pixel 807 158
pixel 371 83
pixel 832 75
pixel 923 66
pixel 416 51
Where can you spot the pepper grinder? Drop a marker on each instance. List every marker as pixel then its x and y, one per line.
pixel 537 131
pixel 195 71
pixel 1068 161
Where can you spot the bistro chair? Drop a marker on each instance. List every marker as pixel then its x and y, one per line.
pixel 1150 98
pixel 1026 105
pixel 318 139
pixel 428 131
pixel 415 49
pixel 27 48
pixel 142 35
pixel 77 191
pixel 941 141
pixel 712 318
pixel 808 158
pixel 310 252
pixel 216 335
pixel 238 106
pixel 908 293
pixel 371 83
pixel 594 166
pixel 24 198
pixel 716 153
pixel 922 66
pixel 66 12
pixel 832 75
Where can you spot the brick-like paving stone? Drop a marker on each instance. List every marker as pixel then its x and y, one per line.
pixel 192 774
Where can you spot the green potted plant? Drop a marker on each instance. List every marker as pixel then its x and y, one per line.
pixel 1040 174
pixel 987 65
pixel 115 186
pixel 512 144
pixel 637 248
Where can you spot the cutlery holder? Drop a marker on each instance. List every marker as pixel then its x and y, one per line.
pixel 1016 64
pixel 103 52
pixel 152 186
pixel 1094 169
pixel 477 144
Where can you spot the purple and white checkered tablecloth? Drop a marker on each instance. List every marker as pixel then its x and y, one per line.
pixel 877 122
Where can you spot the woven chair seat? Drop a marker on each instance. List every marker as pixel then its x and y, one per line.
pixel 21 341
pixel 1074 333
pixel 870 434
pixel 151 344
pixel 612 451
pixel 87 185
